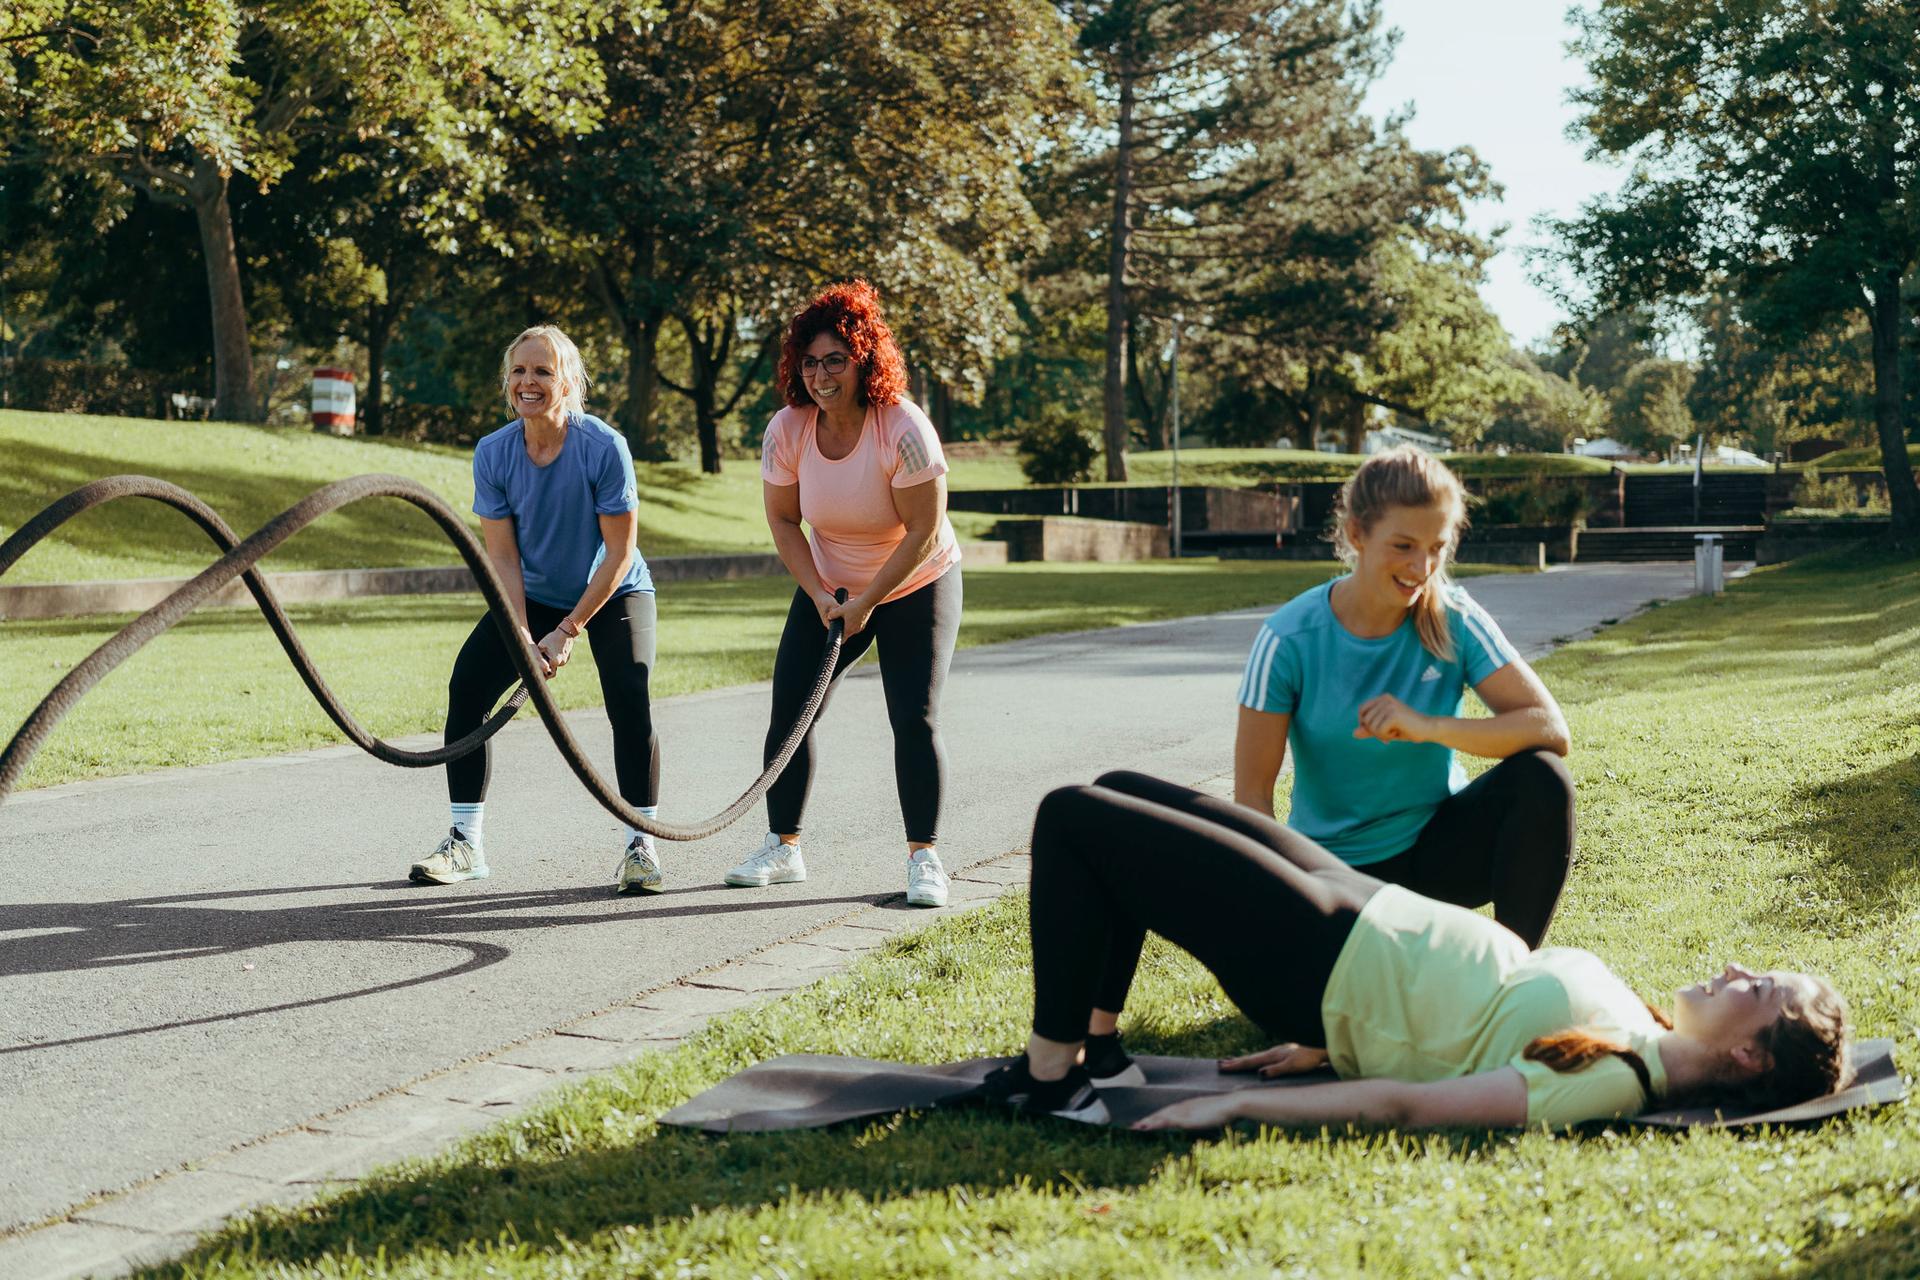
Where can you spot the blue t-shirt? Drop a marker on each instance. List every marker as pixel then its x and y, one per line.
pixel 556 509
pixel 1362 798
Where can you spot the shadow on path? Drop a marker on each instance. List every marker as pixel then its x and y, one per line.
pixel 135 931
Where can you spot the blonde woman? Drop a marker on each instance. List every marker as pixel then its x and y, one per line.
pixel 555 494
pixel 1364 678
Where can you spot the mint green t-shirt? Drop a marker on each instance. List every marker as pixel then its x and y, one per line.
pixel 1362 798
pixel 1423 990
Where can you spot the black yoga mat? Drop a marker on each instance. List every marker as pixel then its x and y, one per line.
pixel 811 1091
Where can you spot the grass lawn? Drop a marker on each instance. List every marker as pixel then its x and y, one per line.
pixel 1749 788
pixel 218 687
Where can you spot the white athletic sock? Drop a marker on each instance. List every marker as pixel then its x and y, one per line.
pixel 469 820
pixel 646 811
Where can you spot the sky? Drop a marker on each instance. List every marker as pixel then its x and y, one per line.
pixel 1494 75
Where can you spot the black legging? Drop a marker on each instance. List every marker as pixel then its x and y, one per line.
pixel 1263 907
pixel 1505 838
pixel 916 634
pixel 622 636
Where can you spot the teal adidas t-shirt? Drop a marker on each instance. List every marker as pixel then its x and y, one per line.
pixel 1362 798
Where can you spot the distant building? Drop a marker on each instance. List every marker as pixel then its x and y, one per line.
pixel 1380 439
pixel 1606 447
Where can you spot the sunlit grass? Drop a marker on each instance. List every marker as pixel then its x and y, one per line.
pixel 1748 787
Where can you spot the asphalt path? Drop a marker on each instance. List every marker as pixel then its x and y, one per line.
pixel 192 959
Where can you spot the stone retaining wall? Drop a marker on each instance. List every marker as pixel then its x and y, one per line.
pixel 1060 538
pixel 134 595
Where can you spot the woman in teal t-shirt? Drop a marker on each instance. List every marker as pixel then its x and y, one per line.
pixel 1364 678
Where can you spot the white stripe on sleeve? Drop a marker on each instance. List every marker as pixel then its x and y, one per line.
pixel 1487 632
pixel 1253 685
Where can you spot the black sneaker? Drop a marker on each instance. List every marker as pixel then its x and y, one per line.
pixel 1108 1065
pixel 1072 1097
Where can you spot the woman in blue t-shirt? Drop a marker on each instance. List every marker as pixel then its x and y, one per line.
pixel 1364 678
pixel 555 494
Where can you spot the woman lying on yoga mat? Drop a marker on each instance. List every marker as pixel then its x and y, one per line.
pixel 1429 1013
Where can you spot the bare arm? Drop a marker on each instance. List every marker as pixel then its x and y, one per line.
pixel 1525 716
pixel 782 502
pixel 1259 753
pixel 1490 1100
pixel 921 508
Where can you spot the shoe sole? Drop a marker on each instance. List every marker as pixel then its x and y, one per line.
pixel 418 876
pixel 924 899
pixel 635 888
pixel 744 882
pixel 1094 1112
pixel 1131 1078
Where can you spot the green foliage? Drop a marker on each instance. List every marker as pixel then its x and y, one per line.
pixel 1055 447
pixel 1650 412
pixel 1836 495
pixel 1770 149
pixel 1545 411
pixel 1532 500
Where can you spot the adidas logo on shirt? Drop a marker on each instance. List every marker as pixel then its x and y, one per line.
pixel 1433 673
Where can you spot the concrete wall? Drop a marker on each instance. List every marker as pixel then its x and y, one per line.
pixel 135 595
pixel 1061 539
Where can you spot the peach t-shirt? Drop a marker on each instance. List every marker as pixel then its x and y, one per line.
pixel 848 503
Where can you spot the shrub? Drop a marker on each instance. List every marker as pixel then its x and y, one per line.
pixel 1054 447
pixel 1532 500
pixel 1838 494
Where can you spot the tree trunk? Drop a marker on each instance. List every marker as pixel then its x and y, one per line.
pixel 1114 399
pixel 703 390
pixel 1887 402
pixel 373 406
pixel 643 388
pixel 1153 415
pixel 233 397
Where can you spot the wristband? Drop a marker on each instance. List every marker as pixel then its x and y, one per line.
pixel 568 627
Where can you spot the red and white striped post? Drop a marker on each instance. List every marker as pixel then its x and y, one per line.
pixel 333 407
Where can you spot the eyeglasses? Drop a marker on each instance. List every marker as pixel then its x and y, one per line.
pixel 835 364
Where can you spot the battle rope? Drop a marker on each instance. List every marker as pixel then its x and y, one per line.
pixel 238 562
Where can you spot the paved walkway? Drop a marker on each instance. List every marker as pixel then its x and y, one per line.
pixel 256 965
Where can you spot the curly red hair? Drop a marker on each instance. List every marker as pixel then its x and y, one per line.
pixel 851 312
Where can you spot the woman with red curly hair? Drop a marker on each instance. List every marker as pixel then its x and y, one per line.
pixel 860 464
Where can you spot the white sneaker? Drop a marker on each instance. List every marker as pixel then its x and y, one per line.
pixel 455 860
pixel 926 879
pixel 772 863
pixel 639 870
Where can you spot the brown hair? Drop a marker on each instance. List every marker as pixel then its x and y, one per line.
pixel 1406 477
pixel 851 312
pixel 1806 1047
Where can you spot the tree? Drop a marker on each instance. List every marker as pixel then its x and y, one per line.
pixel 1189 88
pixel 1650 412
pixel 1773 153
pixel 1546 412
pixel 1752 387
pixel 1445 361
pixel 174 100
pixel 749 156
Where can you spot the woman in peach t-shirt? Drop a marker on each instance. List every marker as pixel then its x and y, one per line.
pixel 862 467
